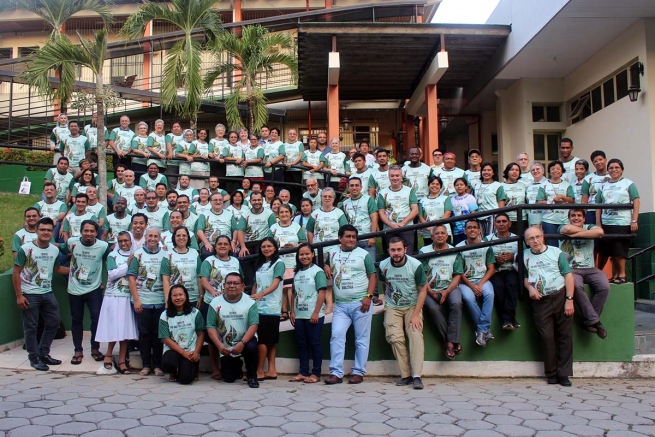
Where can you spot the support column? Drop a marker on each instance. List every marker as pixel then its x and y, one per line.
pixel 333 111
pixel 430 122
pixel 147 63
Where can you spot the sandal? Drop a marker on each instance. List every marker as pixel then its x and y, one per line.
pixel 312 379
pixel 97 355
pixel 458 349
pixel 159 372
pixel 620 280
pixel 108 365
pixel 123 371
pixel 298 378
pixel 450 351
pixel 77 359
pixel 216 376
pixel 284 318
pixel 145 371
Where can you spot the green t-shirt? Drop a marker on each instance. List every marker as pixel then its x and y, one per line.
pixel 167 242
pixel 185 148
pixel 396 204
pixel 183 268
pixel 488 195
pixel 119 287
pixel 183 329
pixel 85 265
pixel 127 193
pixel 114 225
pixel 145 268
pixel 292 151
pixel 215 225
pixel 433 209
pixel 91 132
pixel 448 177
pixel 532 191
pixel 51 210
pixel 622 191
pixel 73 223
pixel 378 179
pixel 417 178
pixel 476 261
pixel 75 149
pixel 215 270
pixel 545 271
pixel 548 193
pixel 231 320
pixel 515 195
pixel 158 218
pixel 173 140
pixel 254 171
pixel 201 150
pixel 141 144
pixel 317 201
pixel 401 283
pixel 358 212
pixel 337 162
pixel 441 269
pixel 364 177
pixel 591 184
pixel 59 133
pixel 157 142
pixel 271 304
pixel 38 265
pixel 313 158
pixel 257 226
pixel 579 252
pixel 503 248
pixel 350 270
pixel 233 151
pixel 306 285
pixel 238 213
pixel 122 138
pixel 325 225
pixel 21 237
pixel 61 181
pixel 272 151
pixel 284 235
pixel 150 184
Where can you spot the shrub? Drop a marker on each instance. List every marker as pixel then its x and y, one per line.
pixel 22 155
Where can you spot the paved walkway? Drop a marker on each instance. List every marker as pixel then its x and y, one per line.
pixel 35 404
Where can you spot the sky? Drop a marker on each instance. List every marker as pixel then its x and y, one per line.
pixel 464 11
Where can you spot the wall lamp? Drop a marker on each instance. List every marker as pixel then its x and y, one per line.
pixel 635 71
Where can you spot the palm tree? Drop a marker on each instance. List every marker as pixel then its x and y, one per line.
pixel 256 51
pixel 183 63
pixel 56 12
pixel 61 54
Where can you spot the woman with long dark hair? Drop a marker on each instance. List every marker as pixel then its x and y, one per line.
pixel 489 195
pixel 181 265
pixel 515 194
pixel 181 328
pixel 267 291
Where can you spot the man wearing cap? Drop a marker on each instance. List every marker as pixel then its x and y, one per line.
pixel 473 173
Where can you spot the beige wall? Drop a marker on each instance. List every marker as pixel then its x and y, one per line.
pixel 623 129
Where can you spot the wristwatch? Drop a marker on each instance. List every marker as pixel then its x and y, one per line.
pixel 369 295
pixel 569 297
pixel 244 343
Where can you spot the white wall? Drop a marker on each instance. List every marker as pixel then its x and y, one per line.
pixel 623 129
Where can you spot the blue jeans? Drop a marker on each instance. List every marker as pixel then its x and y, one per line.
pixel 93 301
pixel 308 335
pixel 47 306
pixel 346 314
pixel 481 318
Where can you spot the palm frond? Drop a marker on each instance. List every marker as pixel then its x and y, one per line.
pixel 216 71
pixel 232 109
pixel 259 108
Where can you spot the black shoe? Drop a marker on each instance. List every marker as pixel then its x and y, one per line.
pixel 404 381
pixel 50 361
pixel 418 384
pixel 552 380
pixel 333 379
pixel 253 383
pixel 600 330
pixel 38 364
pixel 564 381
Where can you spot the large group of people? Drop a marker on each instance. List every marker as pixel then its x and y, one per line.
pixel 177 250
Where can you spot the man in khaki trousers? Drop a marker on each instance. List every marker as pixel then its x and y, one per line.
pixel 405 292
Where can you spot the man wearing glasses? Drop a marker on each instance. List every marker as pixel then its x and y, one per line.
pixel 523 160
pixel 313 193
pixel 157 217
pixel 232 322
pixel 437 160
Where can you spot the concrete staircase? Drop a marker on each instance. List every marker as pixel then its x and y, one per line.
pixel 645 327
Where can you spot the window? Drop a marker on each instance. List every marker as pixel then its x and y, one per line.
pixel 596 99
pixel 545 113
pixel 125 66
pixel 608 92
pixel 546 146
pixel 25 51
pixel 6 53
pixel 621 85
pixel 494 144
pixel 578 108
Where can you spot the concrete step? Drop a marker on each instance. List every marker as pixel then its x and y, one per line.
pixel 644 328
pixel 645 305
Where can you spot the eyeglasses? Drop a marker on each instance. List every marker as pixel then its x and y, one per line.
pixel 254 139
pixel 327 196
pixel 232 284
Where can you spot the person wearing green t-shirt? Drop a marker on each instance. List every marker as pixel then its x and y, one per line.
pixel 308 313
pixel 34 264
pixel 51 207
pixel 405 292
pixel 232 323
pixel 148 295
pixel 61 178
pixel 551 288
pixel 84 285
pixel 75 147
pixel 27 233
pixel 73 221
pixel 181 265
pixel 398 207
pixel 294 150
pixel 478 268
pixel 120 140
pixel 324 223
pixel 353 273
pixel 182 330
pixel 580 253
pixel 443 274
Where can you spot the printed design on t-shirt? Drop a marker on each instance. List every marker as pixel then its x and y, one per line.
pixel 477 266
pixel 216 279
pixel 391 292
pixel 31 270
pixel 147 276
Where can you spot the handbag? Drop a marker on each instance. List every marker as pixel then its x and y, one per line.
pixel 25 186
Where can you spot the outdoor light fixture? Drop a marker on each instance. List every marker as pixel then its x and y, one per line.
pixel 443 122
pixel 345 121
pixel 635 71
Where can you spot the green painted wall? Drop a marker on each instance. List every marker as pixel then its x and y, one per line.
pixel 12 175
